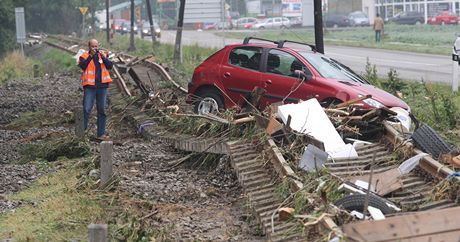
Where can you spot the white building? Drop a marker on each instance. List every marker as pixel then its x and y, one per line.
pixel 389 8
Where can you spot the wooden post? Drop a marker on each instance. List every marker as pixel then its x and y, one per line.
pixel 79 127
pixel 36 70
pixel 97 233
pixel 106 162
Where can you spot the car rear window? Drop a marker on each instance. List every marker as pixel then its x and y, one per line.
pixel 246 57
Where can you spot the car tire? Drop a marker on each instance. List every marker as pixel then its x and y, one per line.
pixel 356 202
pixel 261 27
pixel 418 23
pixel 443 23
pixel 209 101
pixel 429 141
pixel 283 27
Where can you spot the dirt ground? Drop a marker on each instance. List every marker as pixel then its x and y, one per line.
pixel 191 202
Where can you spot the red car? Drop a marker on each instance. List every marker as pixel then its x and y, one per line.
pixel 444 18
pixel 227 77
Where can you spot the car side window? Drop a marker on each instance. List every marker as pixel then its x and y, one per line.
pixel 246 57
pixel 283 63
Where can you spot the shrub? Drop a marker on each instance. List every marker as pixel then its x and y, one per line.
pixel 14 65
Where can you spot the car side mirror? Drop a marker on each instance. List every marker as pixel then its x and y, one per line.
pixel 303 75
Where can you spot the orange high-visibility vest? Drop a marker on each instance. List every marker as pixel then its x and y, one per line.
pixel 89 75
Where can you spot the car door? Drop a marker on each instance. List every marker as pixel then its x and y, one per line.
pixel 280 80
pixel 240 73
pixel 277 23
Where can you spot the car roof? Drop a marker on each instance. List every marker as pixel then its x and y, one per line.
pixel 271 46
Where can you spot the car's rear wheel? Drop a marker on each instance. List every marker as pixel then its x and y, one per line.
pixel 210 101
pixel 418 23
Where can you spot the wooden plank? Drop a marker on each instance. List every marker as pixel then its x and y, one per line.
pixel 405 227
pixel 121 82
pixel 353 101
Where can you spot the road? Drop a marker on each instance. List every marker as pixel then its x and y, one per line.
pixel 410 66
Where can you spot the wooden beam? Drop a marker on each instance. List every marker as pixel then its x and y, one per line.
pixel 429 225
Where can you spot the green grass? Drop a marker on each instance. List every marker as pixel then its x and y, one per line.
pixel 56 60
pixel 431 39
pixel 53 210
pixel 14 66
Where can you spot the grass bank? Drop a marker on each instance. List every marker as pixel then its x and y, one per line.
pixel 53 209
pixel 431 39
pixel 14 65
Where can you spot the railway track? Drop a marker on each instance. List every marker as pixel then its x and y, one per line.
pixel 258 178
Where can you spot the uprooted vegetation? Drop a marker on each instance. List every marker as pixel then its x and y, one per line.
pixel 51 150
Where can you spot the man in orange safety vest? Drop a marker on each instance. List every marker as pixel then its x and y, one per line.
pixel 95 80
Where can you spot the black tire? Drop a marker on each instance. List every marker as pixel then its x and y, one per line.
pixel 428 140
pixel 356 202
pixel 208 94
pixel 261 27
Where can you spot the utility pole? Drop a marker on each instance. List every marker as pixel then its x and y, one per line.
pixel 107 26
pixel 152 28
pixel 131 35
pixel 318 25
pixel 180 23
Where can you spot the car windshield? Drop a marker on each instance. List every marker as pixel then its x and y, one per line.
pixel 330 68
pixel 358 15
pixel 147 25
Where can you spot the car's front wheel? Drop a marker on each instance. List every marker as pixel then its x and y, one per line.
pixel 210 101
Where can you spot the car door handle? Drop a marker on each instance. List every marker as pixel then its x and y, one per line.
pixel 268 82
pixel 227 74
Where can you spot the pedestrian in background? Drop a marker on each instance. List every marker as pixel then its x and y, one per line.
pixel 378 27
pixel 95 80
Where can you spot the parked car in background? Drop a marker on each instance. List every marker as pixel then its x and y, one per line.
pixel 147 31
pixel 245 23
pixel 273 23
pixel 408 18
pixel 335 21
pixel 444 17
pixel 119 24
pixel 296 22
pixel 217 25
pixel 358 18
pixel 288 74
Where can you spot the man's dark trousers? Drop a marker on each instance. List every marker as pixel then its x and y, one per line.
pixel 89 96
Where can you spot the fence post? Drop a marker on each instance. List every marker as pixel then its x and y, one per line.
pixel 106 161
pixel 36 70
pixel 97 233
pixel 79 129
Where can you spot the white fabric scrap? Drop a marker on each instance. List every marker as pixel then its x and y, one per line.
pixel 308 117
